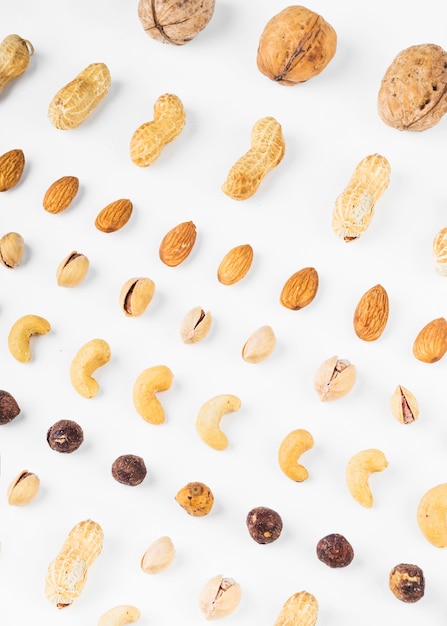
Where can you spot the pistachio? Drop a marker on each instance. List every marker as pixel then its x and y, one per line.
pixel 136 295
pixel 219 597
pixel 158 556
pixel 259 345
pixel 334 379
pixel 72 270
pixel 11 250
pixel 23 489
pixel 195 325
pixel 404 405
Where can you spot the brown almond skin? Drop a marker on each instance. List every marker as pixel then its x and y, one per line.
pixel 235 264
pixel 60 194
pixel 371 314
pixel 300 289
pixel 114 216
pixel 430 344
pixel 12 164
pixel 177 244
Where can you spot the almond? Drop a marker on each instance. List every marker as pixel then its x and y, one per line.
pixel 114 216
pixel 300 289
pixel 371 314
pixel 177 244
pixel 431 343
pixel 235 264
pixel 60 194
pixel 12 164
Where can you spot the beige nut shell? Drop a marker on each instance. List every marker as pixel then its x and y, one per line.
pixel 432 515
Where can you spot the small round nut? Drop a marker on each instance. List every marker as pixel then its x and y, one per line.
pixel 407 582
pixel 196 499
pixel 335 550
pixel 65 436
pixel 264 524
pixel 129 469
pixel 9 409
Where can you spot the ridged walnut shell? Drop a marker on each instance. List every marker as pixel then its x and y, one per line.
pixel 173 22
pixel 412 94
pixel 296 45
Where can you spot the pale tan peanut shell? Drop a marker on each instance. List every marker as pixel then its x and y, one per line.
pixel 300 289
pixel 67 573
pixel 358 470
pixel 439 251
pixel 15 54
pixel 135 296
pixel 12 164
pixel 120 615
pixel 267 149
pixel 12 247
pixel 177 244
pixel 412 93
pixel 150 138
pixel 354 207
pixel 259 345
pixel 295 45
pixel 174 22
pixel 20 335
pixel 151 381
pixel 72 270
pixel 92 355
pixel 404 405
pixel 235 264
pixel 300 609
pixel 60 194
pixel 334 379
pixel 23 489
pixel 195 325
pixel 114 216
pixel 432 515
pixel 371 314
pixel 219 597
pixel 209 418
pixel 290 450
pixel 74 102
pixel 430 344
pixel 159 555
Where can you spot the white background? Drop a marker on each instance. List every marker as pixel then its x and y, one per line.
pixel 330 123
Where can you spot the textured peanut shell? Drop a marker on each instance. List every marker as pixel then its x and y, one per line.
pixel 300 609
pixel 173 22
pixel 296 45
pixel 413 91
pixel 15 54
pixel 439 250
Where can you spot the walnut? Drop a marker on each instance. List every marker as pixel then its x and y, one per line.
pixel 175 21
pixel 412 94
pixel 296 45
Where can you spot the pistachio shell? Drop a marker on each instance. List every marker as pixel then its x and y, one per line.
pixel 158 556
pixel 11 250
pixel 219 597
pixel 404 405
pixel 23 489
pixel 195 325
pixel 136 295
pixel 334 378
pixel 259 345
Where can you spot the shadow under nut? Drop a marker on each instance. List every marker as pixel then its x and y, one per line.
pixel 92 355
pixel 148 383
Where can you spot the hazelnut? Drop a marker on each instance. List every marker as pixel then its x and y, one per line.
pixel 129 469
pixel 335 551
pixel 65 436
pixel 264 524
pixel 195 498
pixel 9 409
pixel 407 582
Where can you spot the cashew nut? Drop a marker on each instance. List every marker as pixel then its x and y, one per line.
pixel 290 450
pixel 209 416
pixel 89 357
pixel 358 470
pixel 21 333
pixel 432 515
pixel 120 615
pixel 148 383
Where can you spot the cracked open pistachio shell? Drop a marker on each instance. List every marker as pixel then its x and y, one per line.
pixel 12 246
pixel 23 489
pixel 219 597
pixel 404 405
pixel 259 345
pixel 136 295
pixel 72 269
pixel 334 379
pixel 195 325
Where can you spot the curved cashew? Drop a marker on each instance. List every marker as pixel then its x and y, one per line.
pixel 120 615
pixel 209 416
pixel 151 380
pixel 290 450
pixel 358 470
pixel 432 515
pixel 89 357
pixel 21 333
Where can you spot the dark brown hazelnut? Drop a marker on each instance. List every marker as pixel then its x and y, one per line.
pixel 335 551
pixel 264 524
pixel 9 409
pixel 407 582
pixel 129 469
pixel 65 436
